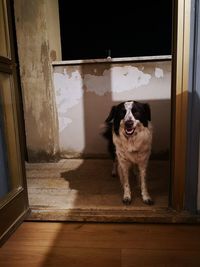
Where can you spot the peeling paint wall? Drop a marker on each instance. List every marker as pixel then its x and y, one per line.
pixel 63 113
pixel 38 41
pixel 85 94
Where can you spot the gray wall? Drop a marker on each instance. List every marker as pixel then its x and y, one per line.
pixel 38 40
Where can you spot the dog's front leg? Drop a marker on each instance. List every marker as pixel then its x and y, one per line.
pixel 144 191
pixel 123 171
pixel 114 169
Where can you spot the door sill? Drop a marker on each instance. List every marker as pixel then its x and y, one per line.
pixel 158 215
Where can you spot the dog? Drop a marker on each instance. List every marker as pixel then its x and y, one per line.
pixel 128 130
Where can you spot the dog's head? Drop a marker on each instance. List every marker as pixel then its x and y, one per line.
pixel 129 116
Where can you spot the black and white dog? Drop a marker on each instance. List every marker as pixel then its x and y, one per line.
pixel 129 134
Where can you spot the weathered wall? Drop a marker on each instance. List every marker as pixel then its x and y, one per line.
pixel 38 40
pixel 83 94
pixel 86 92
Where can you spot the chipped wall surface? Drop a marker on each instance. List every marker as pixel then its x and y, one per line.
pixel 85 94
pixel 38 44
pixel 63 113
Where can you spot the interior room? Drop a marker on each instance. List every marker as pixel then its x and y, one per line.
pixel 65 73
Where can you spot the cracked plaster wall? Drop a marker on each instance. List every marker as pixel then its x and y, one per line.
pixel 38 41
pixel 85 93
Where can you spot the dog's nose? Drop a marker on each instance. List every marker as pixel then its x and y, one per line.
pixel 129 124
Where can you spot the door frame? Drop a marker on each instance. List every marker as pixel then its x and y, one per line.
pixel 193 163
pixel 180 82
pixel 14 207
pixel 180 195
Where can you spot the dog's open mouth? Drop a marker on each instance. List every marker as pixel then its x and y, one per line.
pixel 129 129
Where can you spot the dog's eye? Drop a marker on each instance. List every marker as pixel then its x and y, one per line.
pixel 122 113
pixel 136 115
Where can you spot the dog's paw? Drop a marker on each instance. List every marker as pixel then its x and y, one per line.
pixel 127 200
pixel 148 201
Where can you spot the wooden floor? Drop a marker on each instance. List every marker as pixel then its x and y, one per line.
pixel 40 244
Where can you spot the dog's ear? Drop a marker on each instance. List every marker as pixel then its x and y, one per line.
pixel 147 111
pixel 111 115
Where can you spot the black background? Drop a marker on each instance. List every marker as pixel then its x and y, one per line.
pixel 139 28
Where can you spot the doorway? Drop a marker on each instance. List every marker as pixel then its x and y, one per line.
pixel 79 163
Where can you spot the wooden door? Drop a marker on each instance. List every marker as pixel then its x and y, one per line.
pixel 13 193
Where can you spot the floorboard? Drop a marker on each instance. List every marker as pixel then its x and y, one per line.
pixel 40 244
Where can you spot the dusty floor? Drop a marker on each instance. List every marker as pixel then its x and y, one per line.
pixel 88 185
